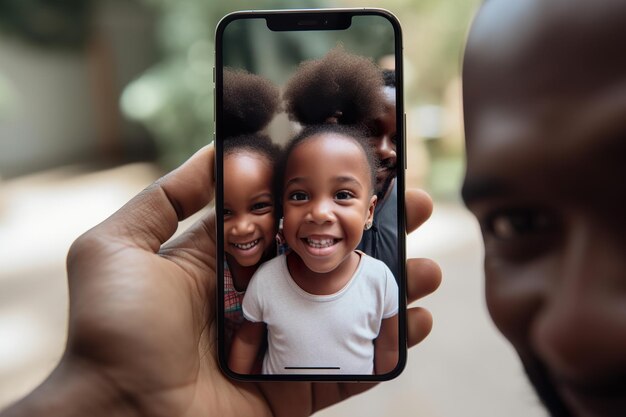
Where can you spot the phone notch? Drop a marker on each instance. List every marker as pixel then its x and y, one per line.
pixel 309 21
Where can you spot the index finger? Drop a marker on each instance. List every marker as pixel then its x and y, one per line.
pixel 152 216
pixel 419 207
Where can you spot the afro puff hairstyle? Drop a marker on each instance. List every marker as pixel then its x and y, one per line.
pixel 339 86
pixel 249 102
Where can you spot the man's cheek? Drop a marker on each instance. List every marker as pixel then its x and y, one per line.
pixel 513 299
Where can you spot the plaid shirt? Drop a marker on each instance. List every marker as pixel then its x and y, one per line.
pixel 233 313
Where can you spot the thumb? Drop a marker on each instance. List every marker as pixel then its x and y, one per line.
pixel 151 217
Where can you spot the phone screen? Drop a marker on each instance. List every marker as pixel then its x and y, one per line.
pixel 310 195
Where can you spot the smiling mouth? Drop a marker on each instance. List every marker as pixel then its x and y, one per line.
pixel 386 168
pixel 246 246
pixel 320 243
pixel 606 401
pixel 598 395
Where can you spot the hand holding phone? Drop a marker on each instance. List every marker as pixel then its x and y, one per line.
pixel 172 349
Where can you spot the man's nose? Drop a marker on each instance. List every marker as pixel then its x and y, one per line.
pixel 385 148
pixel 581 329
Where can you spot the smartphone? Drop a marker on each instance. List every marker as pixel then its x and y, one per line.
pixel 310 162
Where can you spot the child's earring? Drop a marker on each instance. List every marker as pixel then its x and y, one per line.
pixel 280 238
pixel 368 225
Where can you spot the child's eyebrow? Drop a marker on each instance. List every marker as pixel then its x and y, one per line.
pixel 262 194
pixel 296 180
pixel 348 179
pixel 342 179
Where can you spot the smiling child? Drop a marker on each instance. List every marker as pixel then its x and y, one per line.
pixel 349 89
pixel 327 307
pixel 250 215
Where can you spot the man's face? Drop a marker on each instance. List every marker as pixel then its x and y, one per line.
pixel 545 118
pixel 383 141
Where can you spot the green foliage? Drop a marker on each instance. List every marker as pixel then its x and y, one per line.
pixel 52 24
pixel 174 99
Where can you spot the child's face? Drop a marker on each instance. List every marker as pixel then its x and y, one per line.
pixel 249 225
pixel 327 200
pixel 545 116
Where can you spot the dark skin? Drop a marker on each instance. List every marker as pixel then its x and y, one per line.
pixel 142 316
pixel 248 215
pixel 545 119
pixel 383 142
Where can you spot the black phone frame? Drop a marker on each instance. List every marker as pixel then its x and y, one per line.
pixel 320 19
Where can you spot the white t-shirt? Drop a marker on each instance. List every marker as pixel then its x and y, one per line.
pixel 321 334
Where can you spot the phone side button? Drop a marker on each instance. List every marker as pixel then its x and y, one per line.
pixel 214 163
pixel 404 138
pixel 214 105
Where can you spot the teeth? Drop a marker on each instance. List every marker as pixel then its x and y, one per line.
pixel 245 246
pixel 320 243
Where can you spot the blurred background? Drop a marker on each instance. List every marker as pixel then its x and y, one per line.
pixel 100 98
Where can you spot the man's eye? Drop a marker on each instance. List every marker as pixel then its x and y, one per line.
pixel 520 223
pixel 298 196
pixel 344 195
pixel 261 207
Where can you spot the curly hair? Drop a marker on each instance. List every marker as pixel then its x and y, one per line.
pixel 249 102
pixel 389 78
pixel 340 85
pixel 254 143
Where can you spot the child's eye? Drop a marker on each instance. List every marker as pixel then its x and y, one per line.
pixel 227 212
pixel 298 196
pixel 344 195
pixel 262 207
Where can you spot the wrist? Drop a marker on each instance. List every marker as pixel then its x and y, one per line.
pixel 75 388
